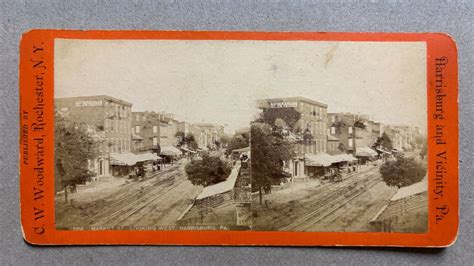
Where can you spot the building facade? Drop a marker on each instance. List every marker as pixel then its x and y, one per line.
pixel 311 128
pixel 107 118
pixel 146 125
pixel 354 131
pixel 403 137
pixel 207 135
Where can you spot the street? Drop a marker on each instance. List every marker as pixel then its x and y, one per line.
pixel 348 205
pixel 157 201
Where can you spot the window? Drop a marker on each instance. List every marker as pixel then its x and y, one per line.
pixel 155 129
pixel 137 118
pixel 137 129
pixel 351 142
pixel 155 141
pixel 333 119
pixel 333 130
pixel 350 130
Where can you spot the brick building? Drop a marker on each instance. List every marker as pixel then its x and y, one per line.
pixel 146 125
pixel 312 122
pixel 356 133
pixel 157 130
pixel 108 119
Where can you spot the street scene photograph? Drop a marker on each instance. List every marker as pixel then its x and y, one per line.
pixel 240 135
pixel 150 135
pixel 339 142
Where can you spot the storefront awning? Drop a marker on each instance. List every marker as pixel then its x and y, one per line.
pixel 321 159
pixel 345 157
pixel 169 151
pixel 187 150
pixel 132 158
pixel 383 151
pixel 246 149
pixel 365 152
pixel 147 157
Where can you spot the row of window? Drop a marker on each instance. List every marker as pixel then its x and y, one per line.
pixel 312 110
pixel 117 109
pixel 316 146
pixel 138 128
pixel 115 125
pixel 143 117
pixel 350 130
pixel 314 127
pixel 117 145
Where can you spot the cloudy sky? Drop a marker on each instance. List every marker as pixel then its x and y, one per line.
pixel 219 81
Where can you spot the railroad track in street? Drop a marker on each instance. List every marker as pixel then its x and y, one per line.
pixel 337 196
pixel 122 214
pixel 145 187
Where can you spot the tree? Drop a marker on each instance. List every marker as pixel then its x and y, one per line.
pixel 424 150
pixel 269 151
pixel 275 116
pixel 384 141
pixel 402 172
pixel 207 171
pixel 188 140
pixel 73 150
pixel 238 141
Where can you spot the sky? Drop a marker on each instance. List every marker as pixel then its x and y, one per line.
pixel 219 81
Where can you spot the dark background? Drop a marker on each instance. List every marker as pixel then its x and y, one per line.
pixel 16 17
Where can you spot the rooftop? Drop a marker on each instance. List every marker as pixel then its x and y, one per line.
pixel 414 189
pixel 293 99
pixel 93 97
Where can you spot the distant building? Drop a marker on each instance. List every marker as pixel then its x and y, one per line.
pixel 207 135
pixel 312 124
pixel 402 136
pixel 146 129
pixel 157 130
pixel 168 130
pixel 356 133
pixel 107 119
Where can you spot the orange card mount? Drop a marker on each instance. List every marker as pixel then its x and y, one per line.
pixel 238 138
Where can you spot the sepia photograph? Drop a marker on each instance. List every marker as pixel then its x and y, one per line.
pixel 320 136
pixel 151 135
pixel 339 142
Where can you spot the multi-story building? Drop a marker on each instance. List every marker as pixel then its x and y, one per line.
pixel 355 132
pixel 207 135
pixel 157 130
pixel 146 125
pixel 105 117
pixel 312 125
pixel 402 136
pixel 168 130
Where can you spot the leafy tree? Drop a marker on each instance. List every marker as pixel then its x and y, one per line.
pixel 275 117
pixel 384 141
pixel 424 150
pixel 402 172
pixel 207 171
pixel 269 150
pixel 188 140
pixel 238 141
pixel 73 148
